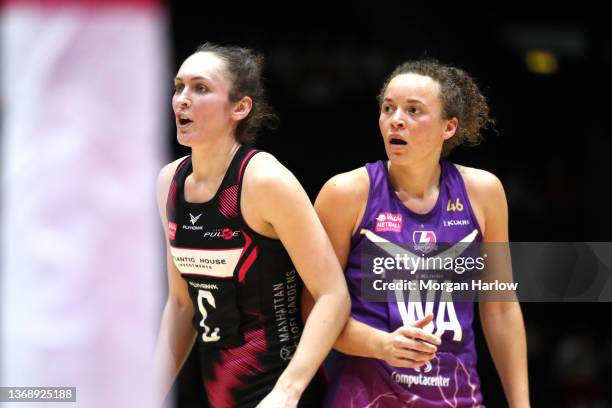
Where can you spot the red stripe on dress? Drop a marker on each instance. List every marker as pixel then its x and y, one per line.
pixel 181 164
pixel 210 249
pixel 252 152
pixel 247 242
pixel 172 193
pixel 247 265
pixel 171 199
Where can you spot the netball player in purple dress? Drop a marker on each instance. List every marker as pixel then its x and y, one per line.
pixel 413 354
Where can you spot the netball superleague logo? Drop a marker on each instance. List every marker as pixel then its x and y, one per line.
pixel 388 222
pixel 424 241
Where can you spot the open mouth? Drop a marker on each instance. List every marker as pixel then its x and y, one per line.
pixel 184 121
pixel 396 141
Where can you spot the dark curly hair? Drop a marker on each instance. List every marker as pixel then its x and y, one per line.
pixel 244 67
pixel 460 98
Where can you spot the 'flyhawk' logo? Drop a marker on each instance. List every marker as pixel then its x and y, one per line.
pixel 193 219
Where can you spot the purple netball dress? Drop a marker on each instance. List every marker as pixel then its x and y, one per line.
pixel 450 379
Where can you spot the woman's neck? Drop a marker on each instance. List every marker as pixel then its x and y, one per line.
pixel 415 180
pixel 211 160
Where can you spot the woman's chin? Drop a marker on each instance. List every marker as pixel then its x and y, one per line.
pixel 398 158
pixel 184 139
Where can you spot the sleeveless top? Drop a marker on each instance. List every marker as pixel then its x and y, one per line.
pixel 244 288
pixel 450 379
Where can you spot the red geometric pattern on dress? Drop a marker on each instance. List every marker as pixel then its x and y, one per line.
pixel 237 366
pixel 228 202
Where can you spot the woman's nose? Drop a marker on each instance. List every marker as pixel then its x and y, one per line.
pixel 182 99
pixel 397 121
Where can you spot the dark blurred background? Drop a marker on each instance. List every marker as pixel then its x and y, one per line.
pixel 545 72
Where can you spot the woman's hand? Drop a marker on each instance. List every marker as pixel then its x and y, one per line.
pixel 409 346
pixel 280 398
